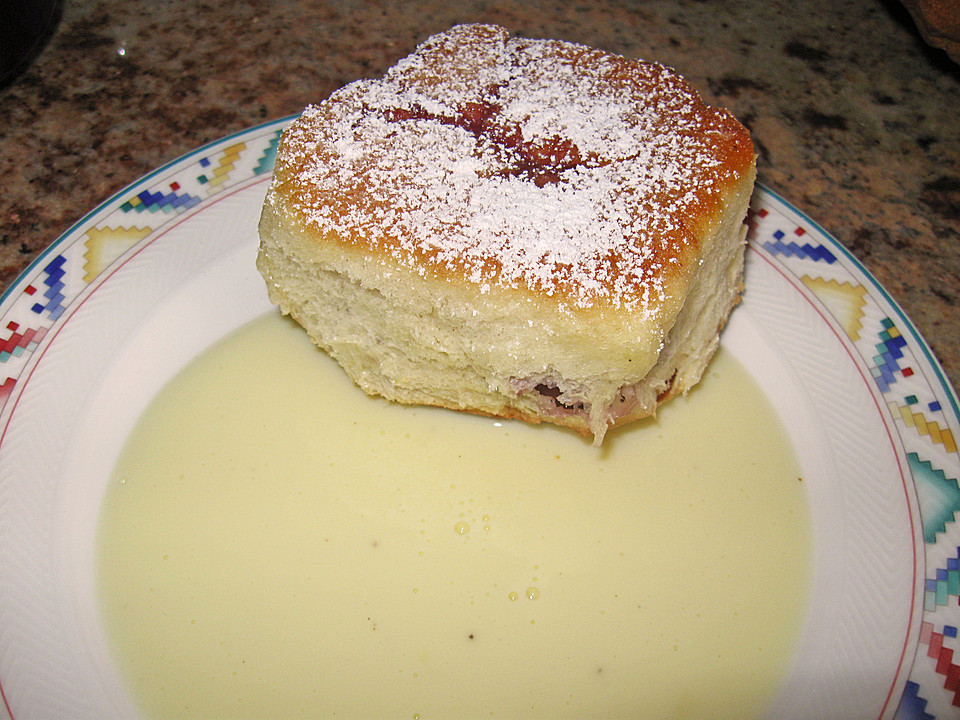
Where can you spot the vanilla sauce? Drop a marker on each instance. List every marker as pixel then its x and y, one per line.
pixel 274 543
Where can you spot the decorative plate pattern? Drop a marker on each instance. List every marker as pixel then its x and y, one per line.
pixel 915 397
pixel 925 412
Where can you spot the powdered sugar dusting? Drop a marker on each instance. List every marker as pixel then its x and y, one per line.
pixel 516 163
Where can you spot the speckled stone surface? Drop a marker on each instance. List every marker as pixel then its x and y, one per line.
pixel 855 119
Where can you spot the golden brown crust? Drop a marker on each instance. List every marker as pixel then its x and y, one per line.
pixel 541 166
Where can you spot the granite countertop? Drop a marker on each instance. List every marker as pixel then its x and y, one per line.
pixel 853 116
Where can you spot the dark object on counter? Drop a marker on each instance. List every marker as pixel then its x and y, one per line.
pixel 25 27
pixel 939 23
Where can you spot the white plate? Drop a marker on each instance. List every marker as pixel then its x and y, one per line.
pixel 137 288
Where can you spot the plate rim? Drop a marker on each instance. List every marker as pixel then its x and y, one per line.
pixel 869 277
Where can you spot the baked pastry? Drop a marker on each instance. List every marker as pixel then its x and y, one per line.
pixel 529 229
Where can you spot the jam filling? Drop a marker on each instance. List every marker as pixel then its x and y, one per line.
pixel 553 392
pixel 542 162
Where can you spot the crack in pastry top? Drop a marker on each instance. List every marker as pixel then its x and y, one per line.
pixel 519 163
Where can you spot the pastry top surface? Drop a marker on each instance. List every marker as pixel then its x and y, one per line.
pixel 538 165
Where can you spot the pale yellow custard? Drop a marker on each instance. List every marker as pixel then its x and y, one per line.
pixel 276 544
